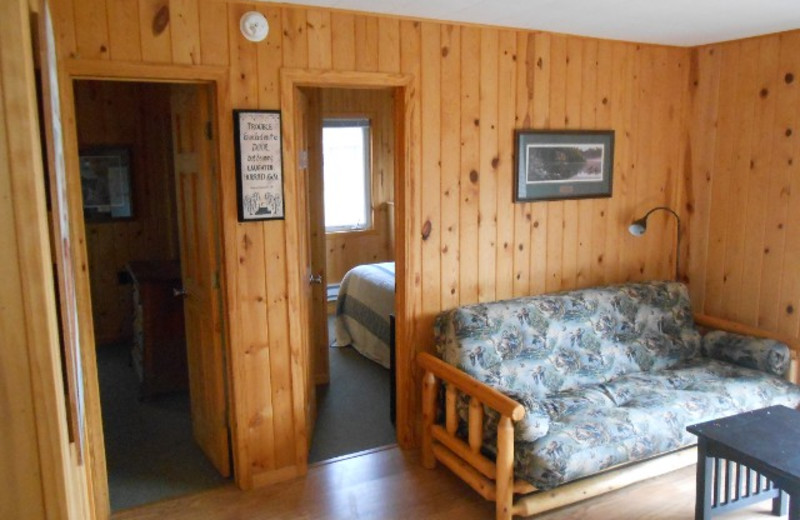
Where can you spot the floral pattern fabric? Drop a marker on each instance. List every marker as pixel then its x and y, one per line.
pixel 639 416
pixel 607 375
pixel 764 354
pixel 529 348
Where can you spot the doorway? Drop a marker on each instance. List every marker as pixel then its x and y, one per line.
pixel 298 163
pixel 147 162
pixel 351 158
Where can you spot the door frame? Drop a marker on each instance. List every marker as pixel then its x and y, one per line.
pixel 404 117
pixel 217 79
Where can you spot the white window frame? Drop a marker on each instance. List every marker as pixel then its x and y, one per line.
pixel 356 122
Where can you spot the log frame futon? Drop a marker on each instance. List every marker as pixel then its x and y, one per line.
pixel 494 480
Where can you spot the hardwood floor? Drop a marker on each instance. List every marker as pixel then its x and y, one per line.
pixel 391 484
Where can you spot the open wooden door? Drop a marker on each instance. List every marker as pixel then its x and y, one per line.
pixel 313 291
pixel 199 238
pixel 318 338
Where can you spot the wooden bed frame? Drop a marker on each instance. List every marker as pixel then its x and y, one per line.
pixel 494 480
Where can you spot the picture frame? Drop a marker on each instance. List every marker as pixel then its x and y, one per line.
pixel 563 164
pixel 106 183
pixel 259 165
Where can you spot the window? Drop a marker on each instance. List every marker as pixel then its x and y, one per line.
pixel 346 172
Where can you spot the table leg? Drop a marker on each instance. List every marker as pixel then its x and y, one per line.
pixel 794 508
pixel 702 507
pixel 779 504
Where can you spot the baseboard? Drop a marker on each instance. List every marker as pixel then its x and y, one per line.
pixel 267 478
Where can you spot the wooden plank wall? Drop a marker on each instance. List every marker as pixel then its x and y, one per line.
pixel 475 85
pixel 135 115
pixel 40 473
pixel 743 182
pixel 20 452
pixel 347 250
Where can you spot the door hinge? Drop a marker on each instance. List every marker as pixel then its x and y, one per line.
pixel 209 131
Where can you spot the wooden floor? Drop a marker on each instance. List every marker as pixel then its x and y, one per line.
pixel 391 484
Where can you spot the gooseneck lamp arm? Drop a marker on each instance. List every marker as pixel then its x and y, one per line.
pixel 639 226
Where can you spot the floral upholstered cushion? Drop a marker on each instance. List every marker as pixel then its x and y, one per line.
pixel 608 375
pixel 768 355
pixel 639 415
pixel 533 347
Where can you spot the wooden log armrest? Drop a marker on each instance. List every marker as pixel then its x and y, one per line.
pixel 494 480
pixel 471 386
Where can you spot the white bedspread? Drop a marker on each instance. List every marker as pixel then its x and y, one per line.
pixel 366 299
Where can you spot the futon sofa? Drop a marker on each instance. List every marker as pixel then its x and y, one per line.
pixel 569 389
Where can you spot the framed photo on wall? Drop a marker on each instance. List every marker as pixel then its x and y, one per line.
pixel 259 164
pixel 558 165
pixel 106 183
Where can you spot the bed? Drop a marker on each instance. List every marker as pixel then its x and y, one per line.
pixel 365 301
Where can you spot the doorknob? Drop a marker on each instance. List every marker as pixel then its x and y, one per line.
pixel 312 278
pixel 179 292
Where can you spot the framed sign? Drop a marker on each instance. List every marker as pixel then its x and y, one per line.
pixel 556 165
pixel 259 164
pixel 106 183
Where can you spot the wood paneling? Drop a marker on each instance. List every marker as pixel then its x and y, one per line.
pixel 347 250
pixel 471 87
pixel 743 182
pixel 40 472
pixel 135 115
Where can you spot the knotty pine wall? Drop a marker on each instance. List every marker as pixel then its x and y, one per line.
pixel 476 85
pixel 42 476
pixel 136 115
pixel 347 250
pixel 743 181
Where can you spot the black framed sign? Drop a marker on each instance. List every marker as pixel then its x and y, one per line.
pixel 106 183
pixel 557 165
pixel 259 164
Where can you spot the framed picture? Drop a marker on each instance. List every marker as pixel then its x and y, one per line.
pixel 556 165
pixel 106 183
pixel 259 164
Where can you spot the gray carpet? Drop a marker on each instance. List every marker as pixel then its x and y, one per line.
pixel 150 452
pixel 353 410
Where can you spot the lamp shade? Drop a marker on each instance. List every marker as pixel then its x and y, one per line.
pixel 638 227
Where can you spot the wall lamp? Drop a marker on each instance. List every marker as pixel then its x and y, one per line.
pixel 639 226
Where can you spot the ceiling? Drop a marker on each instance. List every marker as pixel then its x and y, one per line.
pixel 669 22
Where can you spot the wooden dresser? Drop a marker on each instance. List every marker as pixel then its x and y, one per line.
pixel 159 347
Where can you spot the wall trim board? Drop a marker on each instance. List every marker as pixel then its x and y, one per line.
pixel 291 80
pixel 135 71
pixel 35 452
pixel 327 78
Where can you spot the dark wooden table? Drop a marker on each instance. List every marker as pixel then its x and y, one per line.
pixel 747 458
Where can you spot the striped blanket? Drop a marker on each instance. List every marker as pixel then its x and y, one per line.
pixel 366 299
